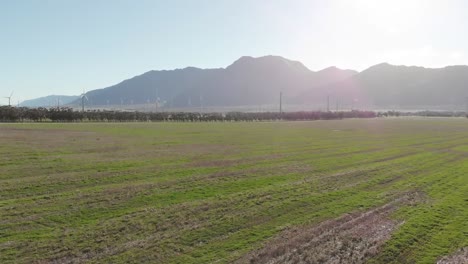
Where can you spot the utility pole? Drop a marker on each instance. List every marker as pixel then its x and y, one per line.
pixel 281 103
pixel 466 110
pixel 201 102
pixel 328 103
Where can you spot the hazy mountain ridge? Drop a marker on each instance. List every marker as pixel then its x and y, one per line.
pixel 248 81
pixel 51 100
pixel 258 81
pixel 385 85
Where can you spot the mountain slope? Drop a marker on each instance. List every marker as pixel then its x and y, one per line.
pixel 258 81
pixel 386 85
pixel 51 100
pixel 248 81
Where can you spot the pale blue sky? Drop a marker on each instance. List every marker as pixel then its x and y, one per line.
pixel 64 46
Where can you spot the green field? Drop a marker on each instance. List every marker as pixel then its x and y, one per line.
pixel 226 192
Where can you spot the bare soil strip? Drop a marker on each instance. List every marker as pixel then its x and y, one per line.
pixel 459 257
pixel 351 238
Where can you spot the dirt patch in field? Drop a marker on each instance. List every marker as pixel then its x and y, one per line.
pixel 459 257
pixel 351 238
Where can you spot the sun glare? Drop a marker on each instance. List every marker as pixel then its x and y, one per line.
pixel 391 16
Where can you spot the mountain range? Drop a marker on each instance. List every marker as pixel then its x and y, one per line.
pixel 403 87
pixel 248 81
pixel 258 81
pixel 48 101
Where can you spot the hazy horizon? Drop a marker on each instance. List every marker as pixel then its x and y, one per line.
pixel 62 48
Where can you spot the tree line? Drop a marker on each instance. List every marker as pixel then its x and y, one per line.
pixel 65 114
pixel 426 113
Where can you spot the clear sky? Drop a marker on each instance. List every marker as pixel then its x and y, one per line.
pixel 65 46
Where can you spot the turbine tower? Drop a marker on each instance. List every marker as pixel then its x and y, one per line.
pixel 9 98
pixel 156 100
pixel 83 97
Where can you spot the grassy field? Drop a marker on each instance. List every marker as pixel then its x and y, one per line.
pixel 390 191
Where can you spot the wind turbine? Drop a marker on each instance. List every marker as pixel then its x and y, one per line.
pixel 158 103
pixel 83 97
pixel 9 98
